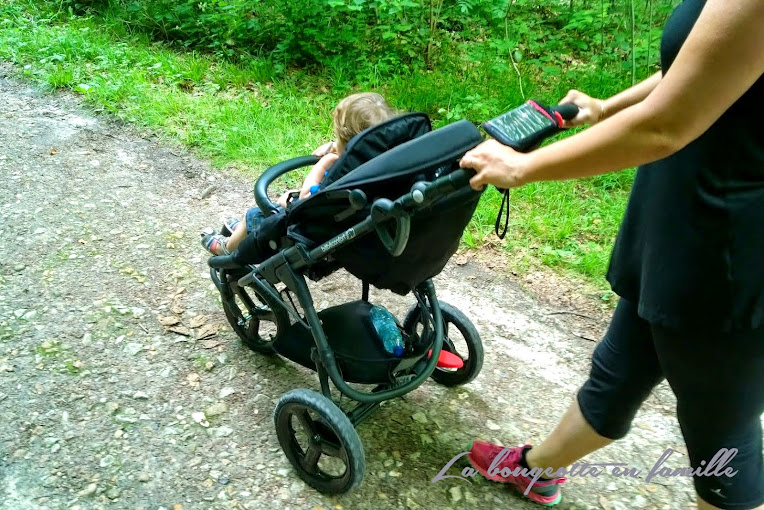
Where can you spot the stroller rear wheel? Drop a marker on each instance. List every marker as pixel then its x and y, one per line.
pixel 320 442
pixel 460 338
pixel 255 318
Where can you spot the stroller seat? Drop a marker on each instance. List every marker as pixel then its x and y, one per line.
pixel 391 161
pixel 376 140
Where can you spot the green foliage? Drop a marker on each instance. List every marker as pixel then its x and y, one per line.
pixel 250 83
pixel 390 36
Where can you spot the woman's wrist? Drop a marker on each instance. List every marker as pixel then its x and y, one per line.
pixel 602 103
pixel 527 169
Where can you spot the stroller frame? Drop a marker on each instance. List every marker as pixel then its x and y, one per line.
pixel 333 433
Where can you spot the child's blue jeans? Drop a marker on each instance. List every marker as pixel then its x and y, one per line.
pixel 254 217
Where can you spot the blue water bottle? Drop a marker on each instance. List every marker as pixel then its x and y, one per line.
pixel 387 330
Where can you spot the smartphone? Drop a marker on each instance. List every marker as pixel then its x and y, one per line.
pixel 525 127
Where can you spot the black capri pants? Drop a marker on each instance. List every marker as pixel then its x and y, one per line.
pixel 718 379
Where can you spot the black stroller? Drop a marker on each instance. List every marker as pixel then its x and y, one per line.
pixel 391 213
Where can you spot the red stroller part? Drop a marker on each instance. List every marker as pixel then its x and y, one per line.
pixel 448 360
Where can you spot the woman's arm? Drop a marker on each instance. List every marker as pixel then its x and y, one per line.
pixel 316 174
pixel 593 110
pixel 721 59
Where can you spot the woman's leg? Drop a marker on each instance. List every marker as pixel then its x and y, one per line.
pixel 572 439
pixel 624 371
pixel 718 380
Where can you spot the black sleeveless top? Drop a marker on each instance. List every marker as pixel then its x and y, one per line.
pixel 690 251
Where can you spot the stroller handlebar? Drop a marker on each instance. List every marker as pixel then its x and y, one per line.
pixel 567 111
pixel 273 173
pixel 424 192
pixel 222 262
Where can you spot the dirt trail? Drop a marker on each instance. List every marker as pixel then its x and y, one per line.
pixel 100 227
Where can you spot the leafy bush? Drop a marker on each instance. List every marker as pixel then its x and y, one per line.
pixel 391 36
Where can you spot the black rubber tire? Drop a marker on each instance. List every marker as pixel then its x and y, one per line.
pixel 260 309
pixel 332 431
pixel 474 362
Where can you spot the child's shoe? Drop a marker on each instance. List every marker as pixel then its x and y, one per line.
pixel 213 242
pixel 229 226
pixel 508 470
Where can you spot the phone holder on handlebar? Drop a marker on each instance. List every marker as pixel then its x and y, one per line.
pixel 524 128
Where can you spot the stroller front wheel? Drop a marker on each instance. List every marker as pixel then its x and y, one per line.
pixel 460 338
pixel 320 442
pixel 255 318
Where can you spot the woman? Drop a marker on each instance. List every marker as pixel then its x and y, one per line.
pixel 688 262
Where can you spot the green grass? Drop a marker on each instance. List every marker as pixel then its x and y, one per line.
pixel 247 117
pixel 568 224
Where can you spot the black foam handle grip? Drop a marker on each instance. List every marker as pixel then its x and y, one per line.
pixel 567 111
pixel 222 262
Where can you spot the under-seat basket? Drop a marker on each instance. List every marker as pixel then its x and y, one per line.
pixel 360 356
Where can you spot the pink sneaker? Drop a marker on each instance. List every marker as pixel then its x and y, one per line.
pixel 501 464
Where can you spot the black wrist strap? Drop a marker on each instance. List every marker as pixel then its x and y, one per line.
pixel 504 203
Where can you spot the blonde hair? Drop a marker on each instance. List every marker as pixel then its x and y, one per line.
pixel 358 112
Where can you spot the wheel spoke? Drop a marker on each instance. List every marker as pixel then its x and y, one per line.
pixel 449 346
pixel 254 326
pixel 266 315
pixel 310 461
pixel 307 423
pixel 245 299
pixel 332 450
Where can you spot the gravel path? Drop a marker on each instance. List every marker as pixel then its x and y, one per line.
pixel 97 397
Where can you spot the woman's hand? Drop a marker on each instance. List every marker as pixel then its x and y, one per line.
pixel 590 110
pixel 496 164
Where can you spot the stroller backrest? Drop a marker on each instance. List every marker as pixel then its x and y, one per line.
pixel 362 148
pixel 435 230
pixel 375 140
